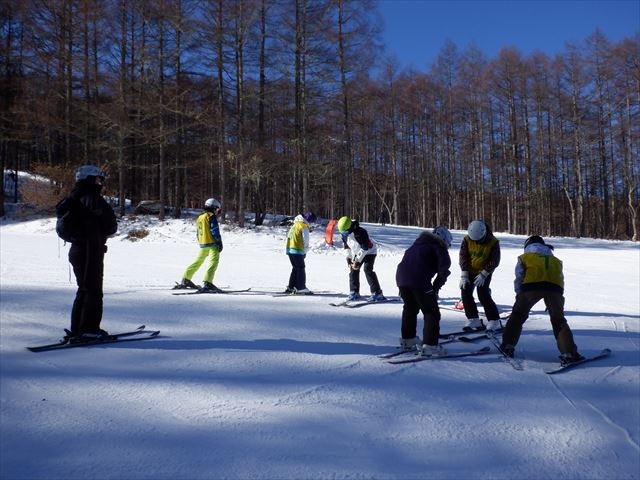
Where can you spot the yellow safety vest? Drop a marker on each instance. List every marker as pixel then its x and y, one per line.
pixel 295 238
pixel 479 254
pixel 542 272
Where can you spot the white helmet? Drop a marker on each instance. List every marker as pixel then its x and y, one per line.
pixel 211 204
pixel 444 233
pixel 88 171
pixel 477 230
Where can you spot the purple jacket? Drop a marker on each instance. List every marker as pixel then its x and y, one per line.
pixel 428 256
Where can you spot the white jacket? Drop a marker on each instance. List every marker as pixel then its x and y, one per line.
pixel 356 252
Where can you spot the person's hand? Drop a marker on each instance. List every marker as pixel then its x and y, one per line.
pixel 481 278
pixel 355 266
pixel 464 280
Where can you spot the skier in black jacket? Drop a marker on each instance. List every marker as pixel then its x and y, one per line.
pixel 427 258
pixel 86 254
pixel 361 252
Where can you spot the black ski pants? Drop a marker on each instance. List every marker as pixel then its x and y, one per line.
pixel 415 300
pixel 88 266
pixel 484 297
pixel 298 277
pixel 372 279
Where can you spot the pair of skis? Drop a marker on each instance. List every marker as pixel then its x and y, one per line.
pixel 201 290
pixel 254 292
pixel 362 303
pixel 470 336
pixel 212 292
pixel 465 331
pixel 418 357
pixel 516 363
pixel 139 333
pixel 320 293
pixel 444 339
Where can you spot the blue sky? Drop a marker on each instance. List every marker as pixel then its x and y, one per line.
pixel 416 30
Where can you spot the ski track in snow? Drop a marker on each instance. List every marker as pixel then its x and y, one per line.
pixel 613 424
pixel 561 392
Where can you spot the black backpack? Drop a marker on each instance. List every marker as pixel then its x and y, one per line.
pixel 70 223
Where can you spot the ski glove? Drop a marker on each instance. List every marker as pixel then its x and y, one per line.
pixel 464 280
pixel 355 266
pixel 481 278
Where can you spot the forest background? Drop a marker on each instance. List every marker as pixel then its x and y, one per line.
pixel 291 105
